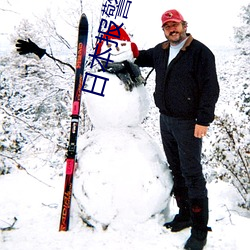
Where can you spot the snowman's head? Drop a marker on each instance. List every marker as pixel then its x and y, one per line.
pixel 119 45
pixel 120 50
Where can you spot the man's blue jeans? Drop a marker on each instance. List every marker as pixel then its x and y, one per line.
pixel 183 152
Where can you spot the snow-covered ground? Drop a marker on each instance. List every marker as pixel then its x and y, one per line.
pixel 37 208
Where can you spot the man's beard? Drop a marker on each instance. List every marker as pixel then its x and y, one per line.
pixel 182 36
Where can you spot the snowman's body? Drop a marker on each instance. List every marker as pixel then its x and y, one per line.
pixel 122 177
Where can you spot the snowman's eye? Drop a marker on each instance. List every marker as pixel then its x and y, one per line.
pixel 123 44
pixel 109 45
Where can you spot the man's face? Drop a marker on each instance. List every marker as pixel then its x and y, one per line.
pixel 174 32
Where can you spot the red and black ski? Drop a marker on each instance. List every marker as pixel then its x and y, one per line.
pixel 71 153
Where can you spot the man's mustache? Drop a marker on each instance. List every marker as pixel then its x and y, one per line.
pixel 173 33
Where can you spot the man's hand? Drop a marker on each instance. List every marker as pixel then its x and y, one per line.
pixel 200 131
pixel 24 47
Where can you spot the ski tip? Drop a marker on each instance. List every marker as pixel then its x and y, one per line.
pixel 83 24
pixel 83 16
pixel 83 20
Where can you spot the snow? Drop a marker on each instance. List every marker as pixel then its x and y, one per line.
pixel 122 182
pixel 118 108
pixel 37 208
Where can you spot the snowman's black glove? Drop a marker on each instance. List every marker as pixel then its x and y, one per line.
pixel 128 72
pixel 24 47
pixel 134 72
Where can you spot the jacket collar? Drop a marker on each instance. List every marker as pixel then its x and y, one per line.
pixel 166 44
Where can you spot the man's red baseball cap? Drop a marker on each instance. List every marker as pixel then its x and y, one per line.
pixel 171 16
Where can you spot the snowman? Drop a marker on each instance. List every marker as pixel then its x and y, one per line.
pixel 122 178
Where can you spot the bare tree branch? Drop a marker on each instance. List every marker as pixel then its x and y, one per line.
pixel 10 227
pixel 19 166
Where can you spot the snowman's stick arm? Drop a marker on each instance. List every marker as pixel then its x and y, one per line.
pixel 57 60
pixel 25 47
pixel 149 73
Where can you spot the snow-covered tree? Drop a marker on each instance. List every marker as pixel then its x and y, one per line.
pixel 230 154
pixel 36 95
pixel 35 104
pixel 242 33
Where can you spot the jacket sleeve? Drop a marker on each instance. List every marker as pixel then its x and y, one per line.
pixel 145 58
pixel 208 88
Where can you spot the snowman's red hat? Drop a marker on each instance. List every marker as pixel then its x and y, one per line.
pixel 118 33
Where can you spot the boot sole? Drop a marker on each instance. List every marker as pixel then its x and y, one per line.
pixel 181 226
pixel 178 226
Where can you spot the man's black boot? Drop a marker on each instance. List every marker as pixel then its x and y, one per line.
pixel 197 240
pixel 181 220
pixel 199 215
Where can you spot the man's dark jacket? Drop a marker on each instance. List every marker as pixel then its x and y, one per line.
pixel 187 88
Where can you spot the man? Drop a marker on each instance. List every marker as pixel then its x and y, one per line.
pixel 186 93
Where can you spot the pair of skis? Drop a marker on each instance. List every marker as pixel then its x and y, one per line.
pixel 71 160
